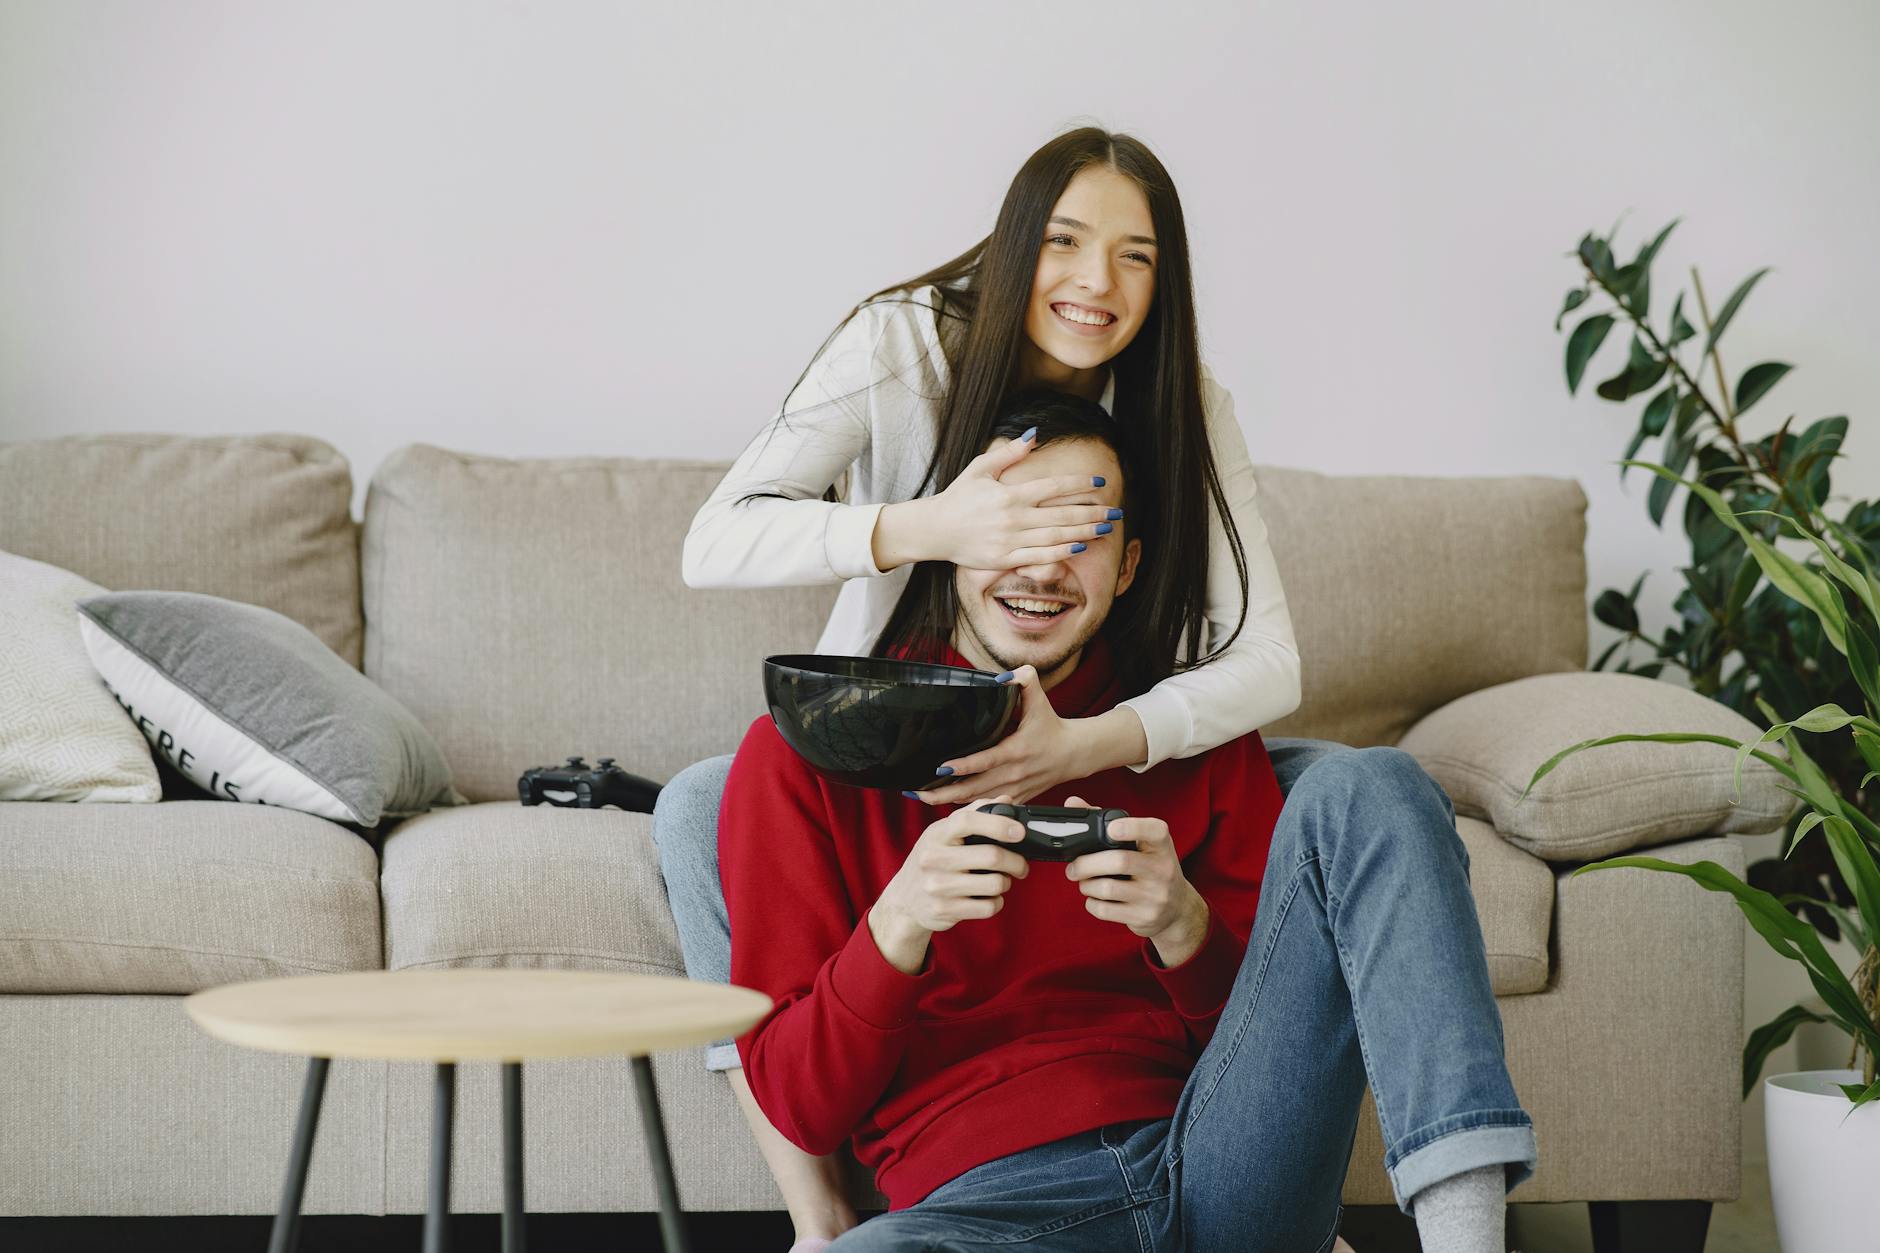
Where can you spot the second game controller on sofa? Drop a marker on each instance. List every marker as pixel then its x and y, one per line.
pixel 580 786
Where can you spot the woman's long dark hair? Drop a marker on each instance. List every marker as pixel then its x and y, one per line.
pixel 985 294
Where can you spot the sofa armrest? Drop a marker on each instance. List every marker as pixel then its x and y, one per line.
pixel 1483 749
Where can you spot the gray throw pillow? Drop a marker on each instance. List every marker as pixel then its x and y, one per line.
pixel 250 706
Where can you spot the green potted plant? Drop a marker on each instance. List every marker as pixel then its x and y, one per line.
pixel 1812 632
pixel 1732 645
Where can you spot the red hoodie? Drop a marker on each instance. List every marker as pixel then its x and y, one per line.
pixel 1023 1028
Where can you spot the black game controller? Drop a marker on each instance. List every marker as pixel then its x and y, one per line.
pixel 1054 833
pixel 580 786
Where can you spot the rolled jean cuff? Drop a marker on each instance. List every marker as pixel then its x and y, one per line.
pixel 1504 1137
pixel 722 1055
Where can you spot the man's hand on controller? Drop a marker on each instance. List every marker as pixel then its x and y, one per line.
pixel 945 881
pixel 1155 899
pixel 1043 751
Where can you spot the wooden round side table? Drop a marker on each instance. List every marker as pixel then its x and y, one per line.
pixel 448 1016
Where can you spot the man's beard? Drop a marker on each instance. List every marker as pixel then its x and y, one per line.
pixel 1009 662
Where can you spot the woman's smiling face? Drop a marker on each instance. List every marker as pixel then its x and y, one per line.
pixel 1098 254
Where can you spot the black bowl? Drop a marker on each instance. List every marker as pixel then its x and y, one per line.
pixel 876 722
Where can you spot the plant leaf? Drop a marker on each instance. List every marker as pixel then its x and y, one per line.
pixel 1860 1096
pixel 1757 380
pixel 1820 792
pixel 1808 823
pixel 1575 299
pixel 1769 1037
pixel 1681 329
pixel 1864 660
pixel 1748 574
pixel 1868 745
pixel 1855 861
pixel 1842 918
pixel 1657 737
pixel 1861 582
pixel 1581 346
pixel 1805 587
pixel 1795 580
pixel 1615 611
pixel 1658 411
pixel 1677 456
pixel 1598 255
pixel 1820 720
pixel 1651 250
pixel 1730 307
pixel 1688 408
pixel 1831 717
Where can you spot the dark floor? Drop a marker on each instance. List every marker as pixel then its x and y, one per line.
pixel 1374 1229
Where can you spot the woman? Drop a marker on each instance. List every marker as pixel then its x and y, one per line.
pixel 1084 286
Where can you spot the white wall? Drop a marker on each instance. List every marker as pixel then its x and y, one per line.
pixel 612 229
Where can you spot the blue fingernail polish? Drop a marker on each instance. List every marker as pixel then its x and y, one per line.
pixel 1026 437
pixel 1096 480
pixel 1006 677
pixel 1077 548
pixel 913 796
pixel 944 770
pixel 1104 528
pixel 1115 514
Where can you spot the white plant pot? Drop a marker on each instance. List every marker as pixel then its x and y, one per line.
pixel 1823 1159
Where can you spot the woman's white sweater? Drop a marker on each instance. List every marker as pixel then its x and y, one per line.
pixel 866 413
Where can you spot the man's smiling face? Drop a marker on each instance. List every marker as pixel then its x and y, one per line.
pixel 1071 597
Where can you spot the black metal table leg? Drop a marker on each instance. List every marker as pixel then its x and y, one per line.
pixel 513 1209
pixel 443 1107
pixel 285 1237
pixel 671 1217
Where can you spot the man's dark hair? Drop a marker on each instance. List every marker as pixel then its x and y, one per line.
pixel 929 607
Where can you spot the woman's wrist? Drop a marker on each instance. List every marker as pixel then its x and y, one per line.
pixel 1112 739
pixel 900 528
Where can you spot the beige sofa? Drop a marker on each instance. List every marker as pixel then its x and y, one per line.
pixel 529 610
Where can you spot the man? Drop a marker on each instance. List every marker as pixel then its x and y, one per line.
pixel 1027 1053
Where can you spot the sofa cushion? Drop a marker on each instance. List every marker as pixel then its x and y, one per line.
pixel 1514 899
pixel 468 886
pixel 250 706
pixel 1485 748
pixel 1407 592
pixel 534 886
pixel 62 737
pixel 179 896
pixel 265 519
pixel 526 611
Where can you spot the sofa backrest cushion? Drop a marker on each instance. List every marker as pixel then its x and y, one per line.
pixel 264 519
pixel 531 610
pixel 1407 592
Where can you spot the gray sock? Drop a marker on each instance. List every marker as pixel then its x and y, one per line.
pixel 1465 1213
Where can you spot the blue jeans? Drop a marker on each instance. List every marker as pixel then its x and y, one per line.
pixel 1366 961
